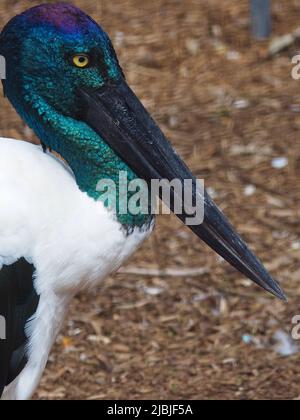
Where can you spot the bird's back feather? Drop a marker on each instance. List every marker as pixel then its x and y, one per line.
pixel 18 304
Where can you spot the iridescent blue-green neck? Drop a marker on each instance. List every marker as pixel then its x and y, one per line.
pixel 89 157
pixel 42 83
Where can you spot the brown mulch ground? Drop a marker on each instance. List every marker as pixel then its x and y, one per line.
pixel 229 111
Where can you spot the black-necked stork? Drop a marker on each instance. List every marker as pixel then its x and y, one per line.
pixel 57 234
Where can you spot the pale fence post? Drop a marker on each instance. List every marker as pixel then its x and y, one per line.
pixel 261 18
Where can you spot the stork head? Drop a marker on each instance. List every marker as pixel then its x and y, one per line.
pixel 62 71
pixel 52 50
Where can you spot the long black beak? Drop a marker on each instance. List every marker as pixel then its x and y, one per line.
pixel 118 116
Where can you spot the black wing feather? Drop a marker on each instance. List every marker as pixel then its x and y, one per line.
pixel 18 304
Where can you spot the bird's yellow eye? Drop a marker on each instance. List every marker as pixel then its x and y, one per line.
pixel 81 60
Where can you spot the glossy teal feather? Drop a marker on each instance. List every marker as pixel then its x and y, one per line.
pixel 50 108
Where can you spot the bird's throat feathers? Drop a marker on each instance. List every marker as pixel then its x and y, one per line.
pixel 87 154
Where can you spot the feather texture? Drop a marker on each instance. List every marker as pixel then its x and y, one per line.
pixel 73 242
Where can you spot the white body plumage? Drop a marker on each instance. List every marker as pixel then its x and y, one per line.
pixel 72 240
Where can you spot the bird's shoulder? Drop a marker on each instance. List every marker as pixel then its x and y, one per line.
pixel 19 155
pixel 34 187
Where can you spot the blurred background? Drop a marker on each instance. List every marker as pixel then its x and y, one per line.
pixel 188 325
